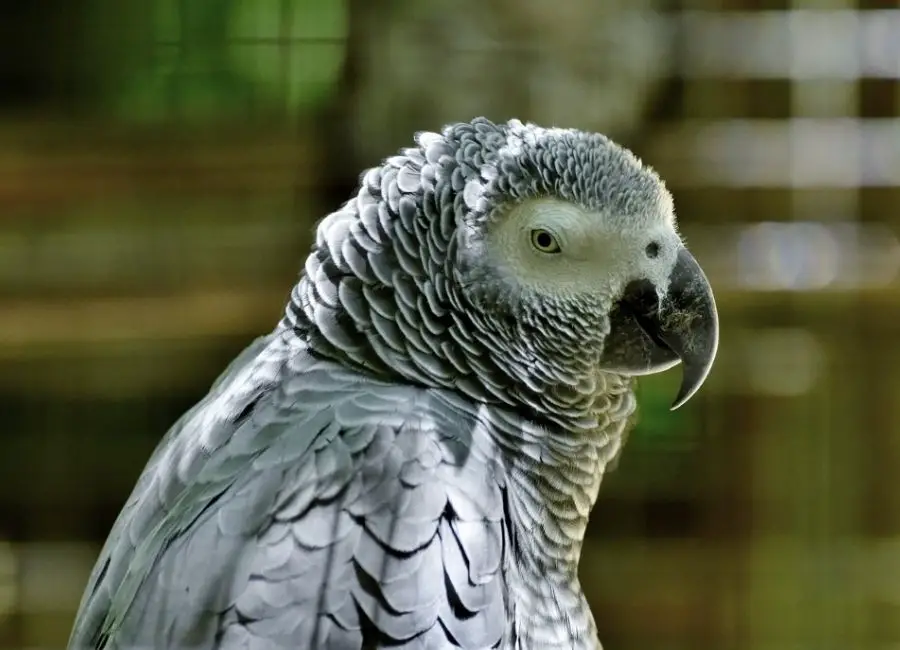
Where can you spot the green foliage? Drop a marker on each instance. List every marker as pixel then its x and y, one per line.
pixel 227 59
pixel 658 428
pixel 660 449
pixel 292 50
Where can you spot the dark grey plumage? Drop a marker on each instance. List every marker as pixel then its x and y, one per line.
pixel 410 458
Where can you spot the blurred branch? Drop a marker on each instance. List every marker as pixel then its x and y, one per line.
pixel 246 311
pixel 220 312
pixel 126 347
pixel 42 163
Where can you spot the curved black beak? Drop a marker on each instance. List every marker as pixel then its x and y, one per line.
pixel 648 335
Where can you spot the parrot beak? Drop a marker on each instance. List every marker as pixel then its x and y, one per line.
pixel 648 336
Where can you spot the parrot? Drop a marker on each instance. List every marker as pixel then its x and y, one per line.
pixel 410 457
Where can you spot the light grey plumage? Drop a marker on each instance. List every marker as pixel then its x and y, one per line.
pixel 410 458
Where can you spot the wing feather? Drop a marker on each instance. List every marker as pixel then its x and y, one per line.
pixel 359 525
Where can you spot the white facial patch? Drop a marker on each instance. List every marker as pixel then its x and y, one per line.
pixel 595 258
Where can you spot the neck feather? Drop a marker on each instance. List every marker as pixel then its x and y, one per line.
pixel 553 481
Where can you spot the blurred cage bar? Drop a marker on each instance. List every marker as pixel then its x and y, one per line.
pixel 162 165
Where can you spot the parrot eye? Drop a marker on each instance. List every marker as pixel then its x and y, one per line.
pixel 544 241
pixel 652 249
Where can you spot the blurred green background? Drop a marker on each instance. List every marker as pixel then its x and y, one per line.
pixel 162 163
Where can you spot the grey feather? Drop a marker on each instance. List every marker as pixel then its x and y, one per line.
pixel 410 458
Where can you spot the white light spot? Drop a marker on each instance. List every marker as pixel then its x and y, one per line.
pixel 799 152
pixel 797 44
pixel 785 362
pixel 787 256
pixel 839 255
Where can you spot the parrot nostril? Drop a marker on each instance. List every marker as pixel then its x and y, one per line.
pixel 652 250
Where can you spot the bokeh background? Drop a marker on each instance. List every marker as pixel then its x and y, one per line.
pixel 162 163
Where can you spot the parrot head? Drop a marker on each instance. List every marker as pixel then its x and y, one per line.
pixel 511 263
pixel 570 256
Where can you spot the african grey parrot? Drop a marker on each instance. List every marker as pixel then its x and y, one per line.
pixel 409 459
